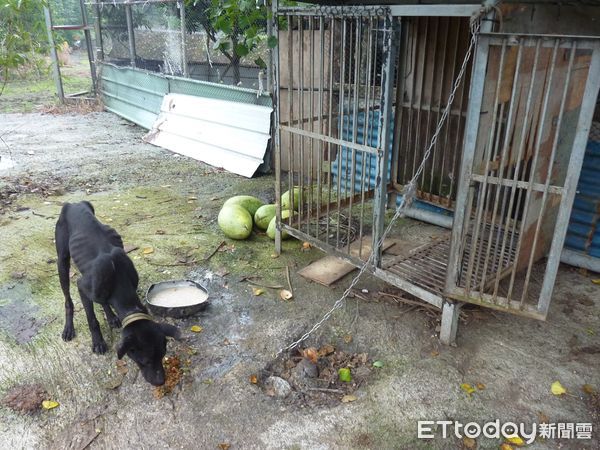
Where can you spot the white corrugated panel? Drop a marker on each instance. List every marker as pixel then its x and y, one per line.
pixel 224 134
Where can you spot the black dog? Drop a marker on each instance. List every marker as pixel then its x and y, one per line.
pixel 109 278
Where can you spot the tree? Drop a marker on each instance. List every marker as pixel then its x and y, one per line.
pixel 22 35
pixel 236 28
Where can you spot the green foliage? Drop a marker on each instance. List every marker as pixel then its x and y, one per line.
pixel 236 28
pixel 22 35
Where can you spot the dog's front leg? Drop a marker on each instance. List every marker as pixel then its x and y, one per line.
pixel 64 264
pixel 113 321
pixel 98 343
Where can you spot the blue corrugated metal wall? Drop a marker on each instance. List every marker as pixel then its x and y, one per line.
pixel 583 234
pixel 343 163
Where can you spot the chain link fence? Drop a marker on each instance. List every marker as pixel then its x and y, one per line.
pixel 192 39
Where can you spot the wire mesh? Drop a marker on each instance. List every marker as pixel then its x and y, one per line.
pixel 203 40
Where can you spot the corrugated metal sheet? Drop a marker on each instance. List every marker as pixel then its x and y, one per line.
pixel 367 132
pixel 137 94
pixel 224 134
pixel 583 234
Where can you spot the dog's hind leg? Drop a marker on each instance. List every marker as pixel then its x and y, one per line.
pixel 64 264
pixel 113 321
pixel 98 343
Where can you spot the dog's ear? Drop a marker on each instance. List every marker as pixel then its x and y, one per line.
pixel 124 346
pixel 170 330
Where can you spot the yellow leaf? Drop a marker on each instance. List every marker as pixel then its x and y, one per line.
pixel 480 386
pixel 516 440
pixel 253 379
pixel 467 388
pixel 506 447
pixel 49 404
pixel 349 398
pixel 596 281
pixel 257 291
pixel 557 388
pixel 469 442
pixel 196 328
pixel 285 294
pixel 147 250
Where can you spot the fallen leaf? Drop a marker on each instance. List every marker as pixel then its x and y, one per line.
pixel 557 388
pixel 467 388
pixel 378 364
pixel 588 389
pixel 274 255
pixel 285 294
pixel 349 398
pixel 253 379
pixel 130 248
pixel 596 281
pixel 147 250
pixel 257 291
pixel 434 353
pixel 311 354
pixel 480 386
pixel 345 375
pixel 196 328
pixel 590 332
pixel 506 447
pixel 49 404
pixel 122 367
pixel 306 246
pixel 224 446
pixel 325 350
pixel 516 440
pixel 348 338
pixel 469 443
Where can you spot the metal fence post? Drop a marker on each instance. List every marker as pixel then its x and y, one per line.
pixel 130 34
pixel 54 56
pixel 388 70
pixel 184 62
pixel 88 44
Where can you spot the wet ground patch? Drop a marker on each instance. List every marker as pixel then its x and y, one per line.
pixel 19 316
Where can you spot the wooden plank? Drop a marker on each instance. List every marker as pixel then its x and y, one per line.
pixel 329 269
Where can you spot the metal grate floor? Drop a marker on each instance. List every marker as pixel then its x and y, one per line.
pixel 426 266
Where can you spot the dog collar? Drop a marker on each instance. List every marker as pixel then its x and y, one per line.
pixel 128 320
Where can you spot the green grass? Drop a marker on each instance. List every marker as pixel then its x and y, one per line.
pixel 29 93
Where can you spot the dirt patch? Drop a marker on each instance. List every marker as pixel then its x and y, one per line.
pixel 19 318
pixel 25 398
pixel 318 377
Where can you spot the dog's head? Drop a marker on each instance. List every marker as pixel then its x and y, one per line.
pixel 145 342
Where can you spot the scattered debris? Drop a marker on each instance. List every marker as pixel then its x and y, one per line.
pixel 314 374
pixel 173 375
pixel 277 387
pixel 25 398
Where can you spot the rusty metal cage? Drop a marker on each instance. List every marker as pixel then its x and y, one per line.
pixel 360 93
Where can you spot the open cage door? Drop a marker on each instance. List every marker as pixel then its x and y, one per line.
pixel 530 109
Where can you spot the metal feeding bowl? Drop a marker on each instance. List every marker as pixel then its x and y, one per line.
pixel 176 298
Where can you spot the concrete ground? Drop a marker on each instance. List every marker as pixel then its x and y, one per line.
pixel 166 205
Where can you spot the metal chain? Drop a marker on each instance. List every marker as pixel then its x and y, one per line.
pixel 409 191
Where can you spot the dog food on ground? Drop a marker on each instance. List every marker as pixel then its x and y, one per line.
pixel 178 297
